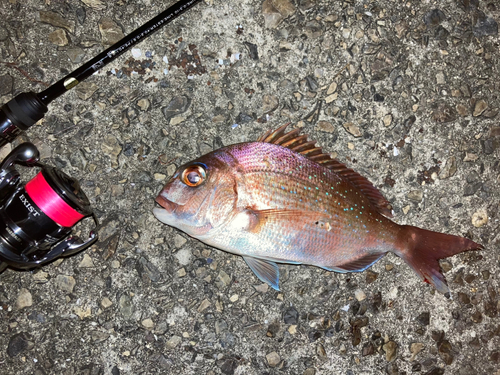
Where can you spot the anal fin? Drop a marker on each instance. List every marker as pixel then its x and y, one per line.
pixel 265 270
pixel 358 265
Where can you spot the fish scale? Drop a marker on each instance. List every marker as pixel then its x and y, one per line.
pixel 282 200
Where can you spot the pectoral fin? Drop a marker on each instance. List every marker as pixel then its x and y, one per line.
pixel 265 270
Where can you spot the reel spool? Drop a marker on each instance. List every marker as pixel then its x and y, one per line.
pixel 36 219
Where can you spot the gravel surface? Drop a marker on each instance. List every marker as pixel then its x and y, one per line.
pixel 406 93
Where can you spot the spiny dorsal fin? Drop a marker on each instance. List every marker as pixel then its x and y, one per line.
pixel 299 143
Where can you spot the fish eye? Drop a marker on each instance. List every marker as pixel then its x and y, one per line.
pixel 194 175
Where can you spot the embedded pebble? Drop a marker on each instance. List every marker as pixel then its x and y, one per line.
pixel 485 26
pixel 24 299
pixel 126 305
pixel 352 129
pixel 332 88
pixel 368 349
pixel 173 342
pixel 360 295
pixel 223 279
pixel 274 11
pixel 106 302
pixel 446 351
pixel 86 262
pixel 446 266
pixel 148 323
pixel 136 53
pixel 416 195
pixel 143 104
pixel 326 127
pixel 415 348
pixel 480 218
pixel 273 359
pixel 262 288
pixel 177 120
pixel 41 277
pixel 59 38
pixel 434 17
pixel 55 19
pixel 204 305
pixel 449 169
pixel 291 316
pixel 371 276
pixel 269 103
pixel 85 90
pixel 76 54
pixel 117 190
pixel 440 78
pixel 480 107
pixel 159 176
pixel 19 343
pixel 65 283
pixel 462 110
pixel 387 120
pixel 95 4
pixel 110 31
pixel 175 107
pixel 83 312
pixel 390 350
pixel 444 114
pixel 181 272
pixel 179 241
pixel 112 148
pixel 331 98
pixel 424 318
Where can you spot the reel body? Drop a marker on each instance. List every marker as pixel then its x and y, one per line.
pixel 36 219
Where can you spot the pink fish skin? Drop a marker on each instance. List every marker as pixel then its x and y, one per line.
pixel 282 200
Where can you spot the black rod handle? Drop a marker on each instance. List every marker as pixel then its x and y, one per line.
pixel 105 57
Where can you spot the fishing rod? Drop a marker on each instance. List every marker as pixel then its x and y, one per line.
pixel 27 108
pixel 37 218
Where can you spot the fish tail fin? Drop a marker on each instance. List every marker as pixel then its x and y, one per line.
pixel 422 249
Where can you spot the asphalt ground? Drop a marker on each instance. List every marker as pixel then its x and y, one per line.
pixel 404 92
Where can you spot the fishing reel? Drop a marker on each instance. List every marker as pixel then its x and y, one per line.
pixel 36 219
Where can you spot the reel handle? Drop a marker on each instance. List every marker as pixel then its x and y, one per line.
pixel 26 154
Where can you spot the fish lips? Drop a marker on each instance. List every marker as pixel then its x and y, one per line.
pixel 166 213
pixel 165 203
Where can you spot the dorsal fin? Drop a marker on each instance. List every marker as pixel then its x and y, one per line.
pixel 299 143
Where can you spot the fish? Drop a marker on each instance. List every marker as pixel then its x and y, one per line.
pixel 281 199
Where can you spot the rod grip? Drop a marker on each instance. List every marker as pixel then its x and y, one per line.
pixel 18 114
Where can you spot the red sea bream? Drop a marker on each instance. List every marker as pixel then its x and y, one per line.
pixel 282 200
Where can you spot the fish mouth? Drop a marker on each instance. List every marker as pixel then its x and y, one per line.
pixel 166 204
pixel 166 212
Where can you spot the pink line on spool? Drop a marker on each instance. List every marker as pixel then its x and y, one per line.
pixel 51 203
